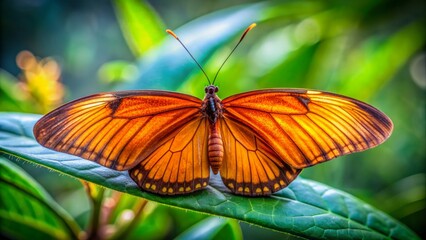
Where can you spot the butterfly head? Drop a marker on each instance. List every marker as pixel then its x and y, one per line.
pixel 211 90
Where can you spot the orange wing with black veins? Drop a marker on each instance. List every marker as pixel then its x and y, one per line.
pixel 117 129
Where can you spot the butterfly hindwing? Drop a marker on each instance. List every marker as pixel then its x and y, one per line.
pixel 179 165
pixel 250 166
pixel 116 129
pixel 308 127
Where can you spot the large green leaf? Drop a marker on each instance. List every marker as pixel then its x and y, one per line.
pixel 305 208
pixel 141 26
pixel 27 212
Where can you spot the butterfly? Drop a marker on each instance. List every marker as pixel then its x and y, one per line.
pixel 257 141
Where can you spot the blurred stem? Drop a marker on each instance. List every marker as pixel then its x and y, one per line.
pixel 102 213
pixel 123 231
pixel 110 206
pixel 96 195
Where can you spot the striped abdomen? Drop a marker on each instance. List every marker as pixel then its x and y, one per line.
pixel 215 149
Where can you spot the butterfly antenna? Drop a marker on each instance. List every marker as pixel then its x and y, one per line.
pixel 241 39
pixel 183 45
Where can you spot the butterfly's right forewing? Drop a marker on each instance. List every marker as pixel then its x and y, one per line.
pixel 309 127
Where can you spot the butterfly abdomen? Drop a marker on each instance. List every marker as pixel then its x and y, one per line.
pixel 215 149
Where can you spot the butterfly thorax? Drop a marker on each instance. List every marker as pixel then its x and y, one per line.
pixel 212 109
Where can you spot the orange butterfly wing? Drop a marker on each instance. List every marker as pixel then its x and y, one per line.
pixel 117 129
pixel 268 136
pixel 250 166
pixel 306 127
pixel 179 165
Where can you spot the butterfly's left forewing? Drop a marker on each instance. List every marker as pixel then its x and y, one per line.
pixel 306 127
pixel 116 129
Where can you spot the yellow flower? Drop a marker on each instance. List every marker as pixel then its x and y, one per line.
pixel 40 81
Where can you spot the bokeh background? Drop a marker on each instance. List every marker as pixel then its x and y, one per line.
pixel 374 51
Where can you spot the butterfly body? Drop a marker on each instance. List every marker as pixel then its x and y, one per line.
pixel 212 110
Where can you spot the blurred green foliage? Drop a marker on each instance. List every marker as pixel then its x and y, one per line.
pixel 369 50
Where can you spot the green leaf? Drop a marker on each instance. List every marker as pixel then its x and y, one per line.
pixel 117 71
pixel 12 98
pixel 305 208
pixel 141 26
pixel 380 54
pixel 27 212
pixel 213 228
